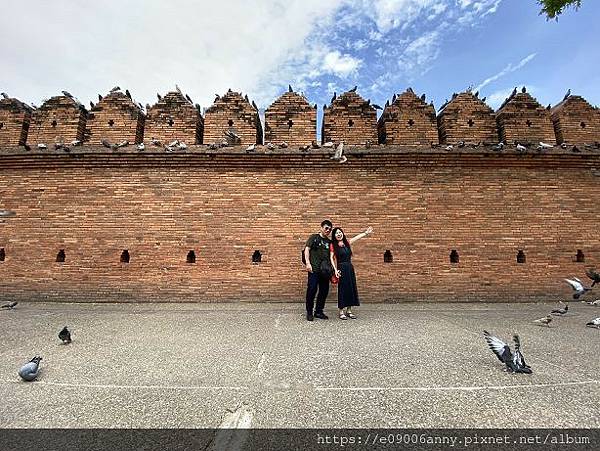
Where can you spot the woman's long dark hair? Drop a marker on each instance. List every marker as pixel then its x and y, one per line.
pixel 336 247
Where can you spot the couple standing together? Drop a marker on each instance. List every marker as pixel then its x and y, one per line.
pixel 328 256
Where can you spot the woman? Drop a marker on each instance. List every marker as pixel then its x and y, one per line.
pixel 340 254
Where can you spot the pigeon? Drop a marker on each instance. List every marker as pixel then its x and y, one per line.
pixel 91 105
pixel 524 90
pixel 560 311
pixel 5 95
pixel 461 144
pixel 449 148
pixel 58 145
pixel 42 146
pixel 423 97
pixel 484 99
pixel 304 148
pixel 27 146
pixel 251 148
pixel 141 146
pixel 116 88
pixel 123 144
pixel 156 142
pixel 65 335
pixel 189 99
pixel 328 144
pixel 521 148
pixel 174 144
pixel 334 97
pixel 290 88
pixel 315 145
pixel 99 97
pixel 514 93
pixel 283 145
pixel 543 145
pixel 67 94
pixel 377 107
pixel 76 143
pixel 106 143
pixel 567 95
pixel 11 305
pixel 594 323
pixel 577 287
pixel 127 93
pixel 595 276
pixel 254 105
pixel 545 321
pixel 30 371
pixel 594 303
pixel 338 156
pixel 270 146
pixel 515 363
pixel 353 89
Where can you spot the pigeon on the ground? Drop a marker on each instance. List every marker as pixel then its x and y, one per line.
pixel 560 311
pixel 65 335
pixel 30 370
pixel 594 275
pixel 10 305
pixel 577 287
pixel 594 323
pixel 339 156
pixel 545 321
pixel 515 363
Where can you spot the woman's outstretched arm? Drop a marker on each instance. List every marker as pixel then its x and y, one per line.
pixel 361 235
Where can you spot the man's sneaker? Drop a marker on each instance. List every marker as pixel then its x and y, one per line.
pixel 309 317
pixel 321 315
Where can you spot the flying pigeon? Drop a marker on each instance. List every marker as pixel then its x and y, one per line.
pixel 521 148
pixel 515 363
pixel 30 371
pixel 106 143
pixel 338 156
pixel 560 311
pixel 10 305
pixel 577 287
pixel 545 321
pixel 594 323
pixel 65 336
pixel 328 144
pixel 594 275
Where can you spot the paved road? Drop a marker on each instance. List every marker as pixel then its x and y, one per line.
pixel 264 365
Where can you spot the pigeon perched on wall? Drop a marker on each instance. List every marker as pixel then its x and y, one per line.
pixel 7 214
pixel 577 287
pixel 106 143
pixel 498 147
pixel 339 156
pixel 515 363
pixel 283 145
pixel 42 146
pixel 594 275
pixel 251 148
pixel 328 145
pixel 30 370
pixel 594 323
pixel 545 321
pixel 65 335
pixel 115 89
pixel 10 305
pixel 521 148
pixel 354 89
pixel 560 311
pixel 141 147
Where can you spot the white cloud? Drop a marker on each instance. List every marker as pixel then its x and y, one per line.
pixel 496 98
pixel 421 52
pixel 508 69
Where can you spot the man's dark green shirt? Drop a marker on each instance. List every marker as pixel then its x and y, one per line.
pixel 319 250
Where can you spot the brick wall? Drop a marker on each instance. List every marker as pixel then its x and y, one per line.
pixel 226 205
pixel 172 118
pixel 234 113
pixel 351 119
pixel 291 119
pixel 522 119
pixel 60 119
pixel 408 120
pixel 467 118
pixel 576 121
pixel 115 118
pixel 15 117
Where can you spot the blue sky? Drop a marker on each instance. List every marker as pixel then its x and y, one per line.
pixel 258 47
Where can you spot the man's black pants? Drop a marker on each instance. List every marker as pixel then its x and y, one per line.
pixel 316 282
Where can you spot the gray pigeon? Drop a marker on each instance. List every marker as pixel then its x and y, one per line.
pixel 339 156
pixel 515 363
pixel 594 323
pixel 106 143
pixel 577 287
pixel 10 305
pixel 560 311
pixel 30 371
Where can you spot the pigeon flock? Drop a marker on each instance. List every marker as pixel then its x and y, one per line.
pixel 515 362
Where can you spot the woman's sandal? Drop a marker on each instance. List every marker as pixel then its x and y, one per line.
pixel 351 315
pixel 342 316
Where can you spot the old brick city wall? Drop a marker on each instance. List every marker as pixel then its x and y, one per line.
pixel 226 204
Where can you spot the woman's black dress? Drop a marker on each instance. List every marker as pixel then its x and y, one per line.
pixel 347 291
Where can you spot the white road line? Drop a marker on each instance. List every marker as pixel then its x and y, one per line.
pixel 142 387
pixel 475 388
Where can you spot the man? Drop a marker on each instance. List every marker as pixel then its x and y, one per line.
pixel 316 252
